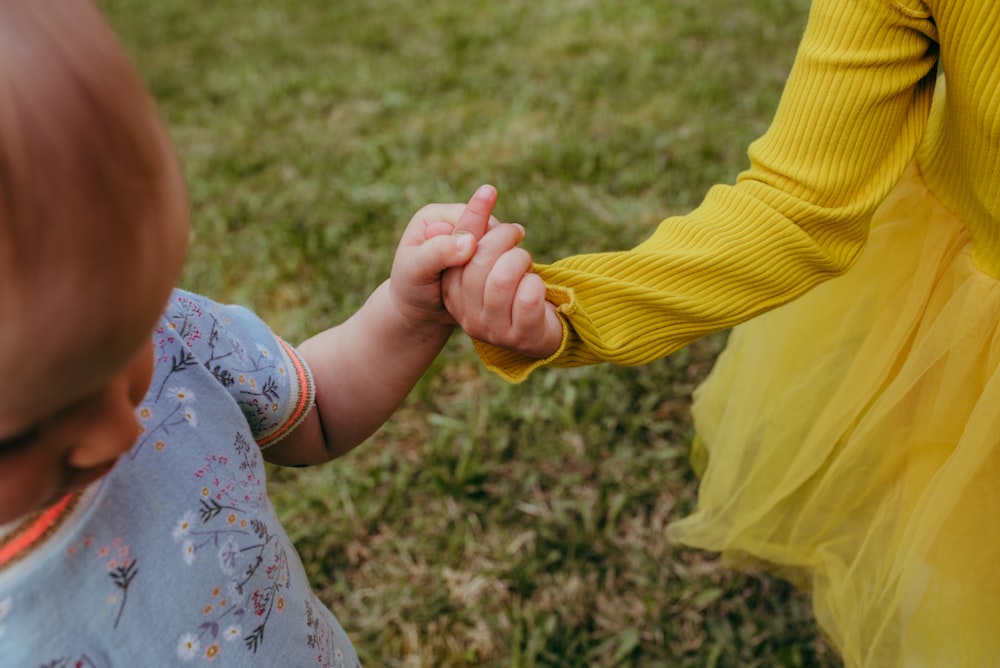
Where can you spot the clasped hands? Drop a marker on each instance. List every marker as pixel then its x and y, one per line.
pixel 495 296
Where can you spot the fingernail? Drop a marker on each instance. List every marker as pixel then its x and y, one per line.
pixel 521 227
pixel 484 191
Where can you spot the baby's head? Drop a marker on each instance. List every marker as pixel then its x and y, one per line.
pixel 93 228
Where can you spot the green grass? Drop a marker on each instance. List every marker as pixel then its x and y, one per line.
pixel 485 524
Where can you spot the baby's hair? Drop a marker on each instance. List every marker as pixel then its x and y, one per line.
pixel 83 154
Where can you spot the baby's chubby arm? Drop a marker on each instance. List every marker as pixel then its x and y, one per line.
pixel 496 298
pixel 365 367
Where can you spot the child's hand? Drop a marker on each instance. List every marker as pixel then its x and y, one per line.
pixel 438 236
pixel 495 297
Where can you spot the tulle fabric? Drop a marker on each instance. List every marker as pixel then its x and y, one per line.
pixel 850 442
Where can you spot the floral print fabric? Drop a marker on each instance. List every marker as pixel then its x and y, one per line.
pixel 176 557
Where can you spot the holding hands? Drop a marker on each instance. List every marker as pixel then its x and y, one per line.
pixel 495 297
pixel 454 264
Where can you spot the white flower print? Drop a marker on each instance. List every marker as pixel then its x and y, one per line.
pixel 184 525
pixel 188 647
pixel 229 554
pixel 187 549
pixel 234 632
pixel 181 395
pixel 190 417
pixel 237 347
pixel 234 591
pixel 264 351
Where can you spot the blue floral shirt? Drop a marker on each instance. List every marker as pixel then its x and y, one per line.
pixel 176 557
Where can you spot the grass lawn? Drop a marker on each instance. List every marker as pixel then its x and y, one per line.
pixel 485 524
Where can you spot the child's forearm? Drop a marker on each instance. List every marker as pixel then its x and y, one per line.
pixel 363 369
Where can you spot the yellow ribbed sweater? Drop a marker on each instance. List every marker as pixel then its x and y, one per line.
pixel 856 110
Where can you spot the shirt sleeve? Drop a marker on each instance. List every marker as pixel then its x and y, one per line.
pixel 265 376
pixel 849 122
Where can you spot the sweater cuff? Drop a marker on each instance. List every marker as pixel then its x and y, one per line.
pixel 515 367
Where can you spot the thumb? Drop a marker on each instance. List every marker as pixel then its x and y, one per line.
pixel 437 228
pixel 443 251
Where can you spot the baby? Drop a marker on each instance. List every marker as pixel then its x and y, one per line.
pixel 135 418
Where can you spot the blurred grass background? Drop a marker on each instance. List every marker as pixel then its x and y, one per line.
pixel 486 524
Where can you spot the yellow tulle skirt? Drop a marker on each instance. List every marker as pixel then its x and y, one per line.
pixel 850 441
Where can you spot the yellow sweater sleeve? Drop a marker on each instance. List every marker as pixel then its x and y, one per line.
pixel 850 119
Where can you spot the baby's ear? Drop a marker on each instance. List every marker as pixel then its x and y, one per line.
pixel 105 437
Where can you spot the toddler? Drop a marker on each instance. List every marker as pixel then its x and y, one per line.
pixel 848 438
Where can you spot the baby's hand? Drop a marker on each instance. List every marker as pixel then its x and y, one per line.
pixel 495 297
pixel 437 237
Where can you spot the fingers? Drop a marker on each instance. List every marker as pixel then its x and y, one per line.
pixel 481 295
pixel 480 255
pixel 503 282
pixel 536 330
pixel 527 313
pixel 492 245
pixel 440 237
pixel 515 313
pixel 476 218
